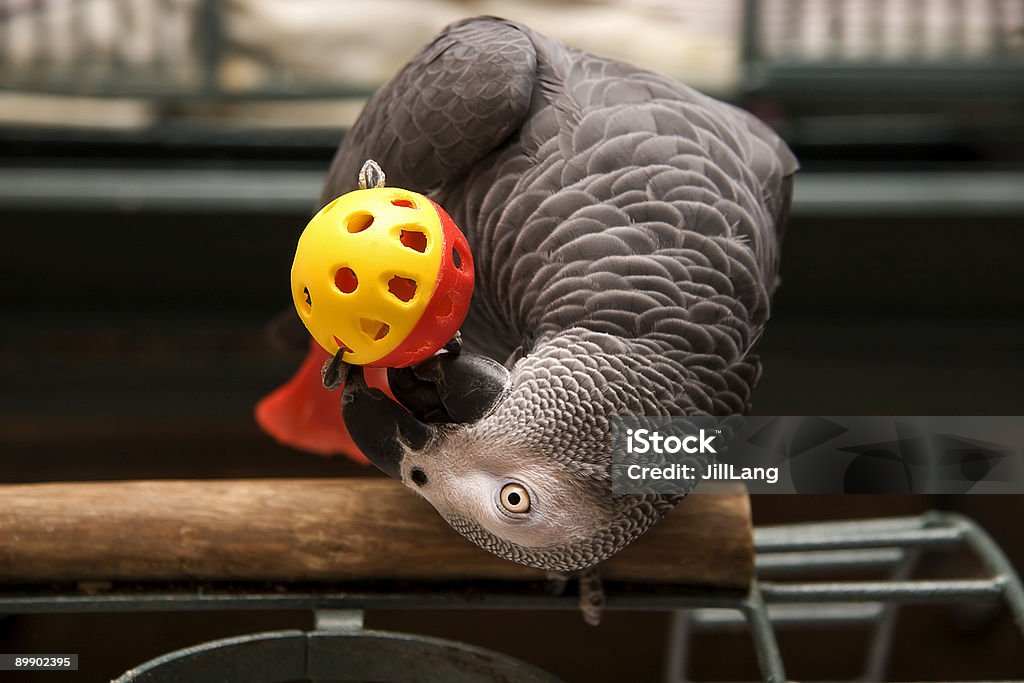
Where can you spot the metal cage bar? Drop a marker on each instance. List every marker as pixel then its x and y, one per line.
pixel 894 545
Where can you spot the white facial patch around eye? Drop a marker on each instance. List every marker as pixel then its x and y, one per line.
pixel 466 475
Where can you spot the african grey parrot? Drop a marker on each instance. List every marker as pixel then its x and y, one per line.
pixel 625 231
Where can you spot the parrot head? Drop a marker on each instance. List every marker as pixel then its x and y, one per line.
pixel 516 460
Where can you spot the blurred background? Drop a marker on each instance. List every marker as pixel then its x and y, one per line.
pixel 158 159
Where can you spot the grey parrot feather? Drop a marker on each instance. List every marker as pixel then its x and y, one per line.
pixel 625 231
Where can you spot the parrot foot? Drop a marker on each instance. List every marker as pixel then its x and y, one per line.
pixel 454 344
pixel 334 372
pixel 591 595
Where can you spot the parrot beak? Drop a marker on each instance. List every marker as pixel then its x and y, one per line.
pixel 449 388
pixel 378 425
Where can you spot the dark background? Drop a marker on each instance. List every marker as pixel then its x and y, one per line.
pixel 132 343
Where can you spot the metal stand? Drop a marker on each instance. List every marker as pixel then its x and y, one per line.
pixel 892 544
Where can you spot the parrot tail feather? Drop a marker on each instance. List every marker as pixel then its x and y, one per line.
pixel 303 414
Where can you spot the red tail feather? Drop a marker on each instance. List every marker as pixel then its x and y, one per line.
pixel 304 415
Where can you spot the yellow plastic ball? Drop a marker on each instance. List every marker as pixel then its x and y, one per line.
pixel 365 270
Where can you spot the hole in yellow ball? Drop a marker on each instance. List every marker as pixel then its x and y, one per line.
pixel 404 203
pixel 346 281
pixel 375 329
pixel 402 288
pixel 307 300
pixel 358 222
pixel 341 346
pixel 414 239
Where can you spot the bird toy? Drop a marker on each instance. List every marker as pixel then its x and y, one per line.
pixel 382 275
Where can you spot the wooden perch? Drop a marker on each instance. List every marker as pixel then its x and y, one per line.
pixel 315 530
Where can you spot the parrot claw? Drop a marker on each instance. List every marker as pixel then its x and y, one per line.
pixel 591 596
pixel 454 344
pixel 591 599
pixel 334 372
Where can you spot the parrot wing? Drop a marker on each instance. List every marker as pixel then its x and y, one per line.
pixel 460 98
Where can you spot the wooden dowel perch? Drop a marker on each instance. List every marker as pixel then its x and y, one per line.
pixel 315 530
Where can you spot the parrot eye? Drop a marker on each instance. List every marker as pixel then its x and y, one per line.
pixel 515 499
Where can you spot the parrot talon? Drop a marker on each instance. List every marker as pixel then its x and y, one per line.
pixel 592 600
pixel 334 372
pixel 454 344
